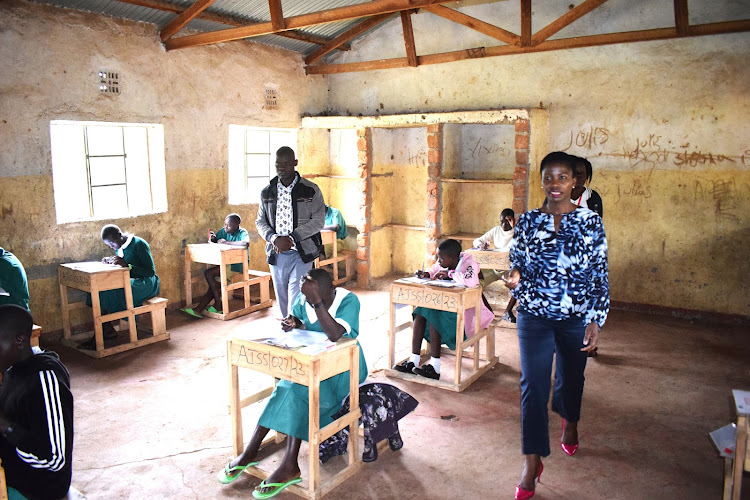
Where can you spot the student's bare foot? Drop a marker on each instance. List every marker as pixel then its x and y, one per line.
pixel 243 459
pixel 284 474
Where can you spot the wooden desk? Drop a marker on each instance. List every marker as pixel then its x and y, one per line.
pixel 95 277
pixel 466 239
pixel 455 300
pixel 307 370
pixel 490 259
pixel 733 472
pixel 329 238
pixel 223 255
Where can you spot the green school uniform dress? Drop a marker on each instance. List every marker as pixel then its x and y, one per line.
pixel 13 280
pixel 333 217
pixel 239 235
pixel 143 279
pixel 288 408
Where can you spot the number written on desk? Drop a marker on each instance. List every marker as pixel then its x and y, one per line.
pixel 286 365
pixel 426 298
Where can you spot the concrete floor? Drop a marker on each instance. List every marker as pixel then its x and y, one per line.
pixel 153 423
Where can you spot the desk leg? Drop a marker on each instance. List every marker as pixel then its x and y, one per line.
pixel 224 293
pixel 335 260
pixel 129 303
pixel 246 277
pixel 354 403
pixel 188 280
pixel 477 322
pixel 392 337
pixel 234 402
pixel 459 340
pixel 739 455
pixel 65 311
pixel 314 427
pixel 97 310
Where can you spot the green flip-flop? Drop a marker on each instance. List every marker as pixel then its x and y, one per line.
pixel 212 309
pixel 229 474
pixel 190 312
pixel 277 488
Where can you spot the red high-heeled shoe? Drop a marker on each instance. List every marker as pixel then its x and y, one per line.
pixel 522 494
pixel 569 449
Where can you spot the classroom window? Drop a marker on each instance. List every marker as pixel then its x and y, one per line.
pixel 252 159
pixel 107 170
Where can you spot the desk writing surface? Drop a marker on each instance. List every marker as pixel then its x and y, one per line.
pixel 443 299
pixel 288 364
pixel 328 237
pixel 84 275
pixel 212 253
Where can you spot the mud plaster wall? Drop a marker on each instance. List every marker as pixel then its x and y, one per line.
pixel 50 59
pixel 664 124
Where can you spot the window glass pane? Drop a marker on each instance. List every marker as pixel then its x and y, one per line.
pixel 254 186
pixel 107 170
pixel 109 201
pixel 104 140
pixel 279 139
pixel 139 179
pixel 257 141
pixel 258 165
pixel 69 176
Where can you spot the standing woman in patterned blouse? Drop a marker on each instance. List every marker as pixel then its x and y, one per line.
pixel 559 276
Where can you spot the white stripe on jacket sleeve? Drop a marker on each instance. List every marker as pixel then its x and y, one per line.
pixel 55 426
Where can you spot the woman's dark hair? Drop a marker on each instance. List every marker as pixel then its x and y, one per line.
pixel 558 157
pixel 450 247
pixel 587 164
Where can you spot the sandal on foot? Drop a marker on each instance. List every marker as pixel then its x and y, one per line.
pixel 191 312
pixel 276 488
pixel 212 309
pixel 229 473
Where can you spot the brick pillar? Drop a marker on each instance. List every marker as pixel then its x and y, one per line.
pixel 521 172
pixel 434 189
pixel 364 169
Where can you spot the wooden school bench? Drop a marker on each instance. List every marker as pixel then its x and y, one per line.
pixel 345 256
pixel 221 255
pixel 307 370
pixel 457 300
pixel 95 277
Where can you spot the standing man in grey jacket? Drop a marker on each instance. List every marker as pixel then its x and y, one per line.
pixel 290 217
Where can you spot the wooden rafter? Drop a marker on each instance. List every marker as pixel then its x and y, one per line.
pixel 547 45
pixel 475 24
pixel 230 21
pixel 346 36
pixel 277 15
pixel 183 18
pixel 371 8
pixel 525 23
pixel 411 51
pixel 681 17
pixel 572 15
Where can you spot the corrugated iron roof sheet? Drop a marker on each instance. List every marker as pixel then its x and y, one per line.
pixel 249 11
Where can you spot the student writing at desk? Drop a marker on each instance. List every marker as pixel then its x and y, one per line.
pixel 501 237
pixel 439 327
pixel 135 253
pixel 231 234
pixel 36 413
pixel 15 286
pixel 323 308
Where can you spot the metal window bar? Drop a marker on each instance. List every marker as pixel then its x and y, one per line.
pixel 91 186
pixel 247 173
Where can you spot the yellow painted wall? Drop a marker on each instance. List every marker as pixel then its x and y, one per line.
pixel 381 252
pixel 664 124
pixel 195 94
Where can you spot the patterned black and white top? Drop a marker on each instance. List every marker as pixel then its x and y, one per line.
pixel 563 274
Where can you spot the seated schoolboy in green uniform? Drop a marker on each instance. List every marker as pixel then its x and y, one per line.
pixel 319 307
pixel 230 234
pixel 14 287
pixel 135 253
pixel 335 222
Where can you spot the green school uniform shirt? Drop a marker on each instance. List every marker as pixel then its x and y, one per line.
pixel 333 217
pixel 13 280
pixel 239 235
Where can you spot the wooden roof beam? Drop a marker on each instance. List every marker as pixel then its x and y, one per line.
pixel 681 17
pixel 277 15
pixel 549 45
pixel 525 23
pixel 346 36
pixel 371 8
pixel 475 24
pixel 183 18
pixel 569 17
pixel 411 51
pixel 231 21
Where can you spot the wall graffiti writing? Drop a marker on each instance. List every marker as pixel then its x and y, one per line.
pixel 485 149
pixel 725 195
pixel 594 136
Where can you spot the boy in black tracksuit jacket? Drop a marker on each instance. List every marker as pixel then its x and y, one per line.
pixel 36 412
